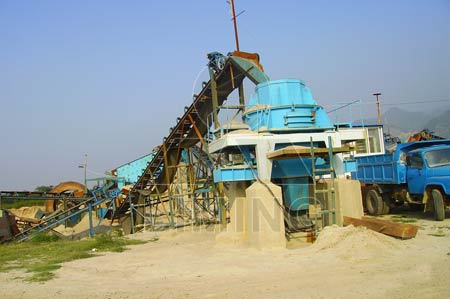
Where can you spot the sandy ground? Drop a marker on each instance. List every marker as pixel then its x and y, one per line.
pixel 343 263
pixel 81 229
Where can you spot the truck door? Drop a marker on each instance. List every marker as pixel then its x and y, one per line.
pixel 415 174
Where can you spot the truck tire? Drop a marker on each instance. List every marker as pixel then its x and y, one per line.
pixel 438 205
pixel 374 202
pixel 386 207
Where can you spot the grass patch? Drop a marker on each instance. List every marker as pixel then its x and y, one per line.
pixel 10 204
pixel 438 233
pixel 43 237
pixel 45 253
pixel 402 219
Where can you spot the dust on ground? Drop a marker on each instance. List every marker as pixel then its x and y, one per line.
pixel 348 262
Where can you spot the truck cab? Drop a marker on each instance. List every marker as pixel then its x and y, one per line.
pixel 428 168
pixel 428 177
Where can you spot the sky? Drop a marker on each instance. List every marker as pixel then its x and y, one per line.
pixel 109 78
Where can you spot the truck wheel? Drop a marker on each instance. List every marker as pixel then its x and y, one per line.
pixel 374 202
pixel 438 205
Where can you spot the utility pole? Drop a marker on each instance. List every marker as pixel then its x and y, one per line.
pixel 85 172
pixel 235 25
pixel 378 107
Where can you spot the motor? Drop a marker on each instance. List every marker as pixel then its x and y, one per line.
pixel 216 61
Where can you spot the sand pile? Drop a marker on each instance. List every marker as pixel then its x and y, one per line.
pixel 355 242
pixel 28 212
pixel 81 229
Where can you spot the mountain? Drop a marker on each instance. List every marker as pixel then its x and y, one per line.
pixel 440 124
pixel 403 123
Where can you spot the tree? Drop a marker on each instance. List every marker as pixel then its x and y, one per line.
pixel 43 188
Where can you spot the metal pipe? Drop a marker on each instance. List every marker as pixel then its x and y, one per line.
pixel 215 98
pixel 91 225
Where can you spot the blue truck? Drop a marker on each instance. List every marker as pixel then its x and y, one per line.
pixel 416 174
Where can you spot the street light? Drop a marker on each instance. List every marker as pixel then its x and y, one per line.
pixel 85 172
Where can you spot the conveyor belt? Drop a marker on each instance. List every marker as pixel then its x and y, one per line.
pixel 59 217
pixel 193 125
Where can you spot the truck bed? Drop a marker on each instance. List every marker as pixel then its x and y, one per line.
pixel 379 169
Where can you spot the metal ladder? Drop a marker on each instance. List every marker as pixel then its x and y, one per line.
pixel 327 194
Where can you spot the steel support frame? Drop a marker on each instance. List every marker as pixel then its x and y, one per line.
pixel 196 173
pixel 251 70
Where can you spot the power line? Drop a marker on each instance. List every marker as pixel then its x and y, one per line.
pixel 417 102
pixel 394 104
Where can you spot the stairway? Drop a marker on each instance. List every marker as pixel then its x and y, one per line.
pixel 324 199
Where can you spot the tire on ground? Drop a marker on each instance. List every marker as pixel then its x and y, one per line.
pixel 374 202
pixel 438 205
pixel 386 207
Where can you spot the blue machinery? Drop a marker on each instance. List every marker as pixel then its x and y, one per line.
pixel 226 75
pixel 131 171
pixel 283 111
pixel 285 138
pixel 285 106
pixel 296 134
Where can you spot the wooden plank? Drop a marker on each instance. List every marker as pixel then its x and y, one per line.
pixel 398 230
pixel 307 237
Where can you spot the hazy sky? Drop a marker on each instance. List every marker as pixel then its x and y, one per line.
pixel 109 78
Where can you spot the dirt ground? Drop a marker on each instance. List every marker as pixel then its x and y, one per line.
pixel 343 263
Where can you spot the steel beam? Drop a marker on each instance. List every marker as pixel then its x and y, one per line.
pixel 215 98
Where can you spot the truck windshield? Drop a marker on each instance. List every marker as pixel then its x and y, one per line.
pixel 438 157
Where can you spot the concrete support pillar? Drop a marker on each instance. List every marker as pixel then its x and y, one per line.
pixel 256 219
pixel 264 220
pixel 264 165
pixel 236 197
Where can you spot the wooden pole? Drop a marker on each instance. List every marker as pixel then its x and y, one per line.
pixel 236 37
pixel 166 167
pixel 398 230
pixel 378 107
